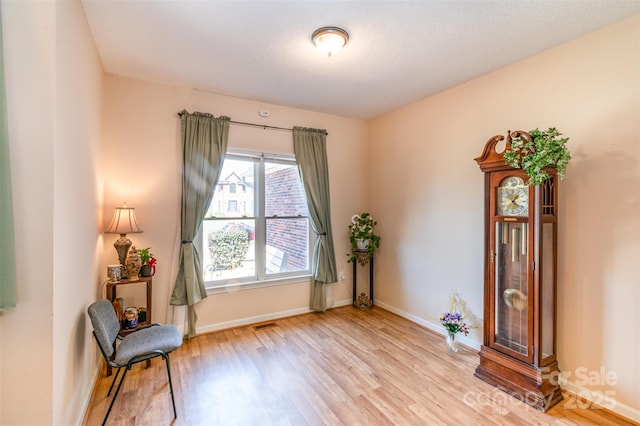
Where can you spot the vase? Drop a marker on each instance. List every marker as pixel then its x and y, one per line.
pixel 133 263
pixel 361 244
pixel 452 343
pixel 145 271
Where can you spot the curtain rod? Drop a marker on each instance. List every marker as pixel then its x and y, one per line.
pixel 264 126
pixel 244 123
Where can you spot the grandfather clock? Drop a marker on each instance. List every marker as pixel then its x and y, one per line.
pixel 518 354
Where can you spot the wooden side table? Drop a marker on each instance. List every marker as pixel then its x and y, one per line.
pixel 111 295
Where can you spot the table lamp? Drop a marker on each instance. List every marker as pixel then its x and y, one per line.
pixel 123 223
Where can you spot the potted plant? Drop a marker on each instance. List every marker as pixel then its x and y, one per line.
pixel 362 236
pixel 148 267
pixel 545 148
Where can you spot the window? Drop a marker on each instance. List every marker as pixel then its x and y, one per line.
pixel 264 233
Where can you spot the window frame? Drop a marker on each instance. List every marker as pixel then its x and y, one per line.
pixel 261 278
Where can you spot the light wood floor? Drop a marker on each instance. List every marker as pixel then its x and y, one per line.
pixel 344 367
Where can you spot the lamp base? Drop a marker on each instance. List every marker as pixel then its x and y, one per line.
pixel 122 245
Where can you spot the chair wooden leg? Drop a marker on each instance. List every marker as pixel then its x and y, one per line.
pixel 166 360
pixel 116 394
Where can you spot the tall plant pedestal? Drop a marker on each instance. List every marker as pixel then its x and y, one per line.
pixel 363 302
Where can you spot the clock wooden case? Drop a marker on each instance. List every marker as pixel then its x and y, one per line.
pixel 518 354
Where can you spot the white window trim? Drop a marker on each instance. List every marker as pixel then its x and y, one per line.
pixel 218 287
pixel 251 285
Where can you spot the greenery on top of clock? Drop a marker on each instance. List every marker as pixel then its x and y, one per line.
pixel 546 148
pixel 361 228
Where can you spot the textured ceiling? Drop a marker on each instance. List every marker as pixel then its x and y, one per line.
pixel 398 52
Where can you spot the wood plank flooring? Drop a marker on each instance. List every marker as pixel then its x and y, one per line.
pixel 344 367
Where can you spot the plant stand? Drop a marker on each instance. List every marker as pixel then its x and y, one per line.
pixel 363 302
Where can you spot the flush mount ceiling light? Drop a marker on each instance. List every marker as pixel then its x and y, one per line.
pixel 329 40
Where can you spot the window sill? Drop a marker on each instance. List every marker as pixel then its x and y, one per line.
pixel 250 285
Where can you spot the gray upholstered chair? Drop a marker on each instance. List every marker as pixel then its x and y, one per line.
pixel 141 345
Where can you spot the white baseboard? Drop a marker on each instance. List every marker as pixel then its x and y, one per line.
pixel 260 318
pixel 344 302
pixel 83 412
pixel 251 320
pixel 596 397
pixel 437 328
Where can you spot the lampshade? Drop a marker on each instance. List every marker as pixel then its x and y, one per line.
pixel 329 40
pixel 123 223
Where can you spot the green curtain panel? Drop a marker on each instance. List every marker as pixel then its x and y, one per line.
pixel 7 246
pixel 310 148
pixel 204 139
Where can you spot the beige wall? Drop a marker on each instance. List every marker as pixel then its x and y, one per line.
pixel 142 164
pixel 54 80
pixel 426 175
pixel 77 210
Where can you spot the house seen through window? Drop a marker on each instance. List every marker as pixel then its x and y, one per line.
pixel 257 226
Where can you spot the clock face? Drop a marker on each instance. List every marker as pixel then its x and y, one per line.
pixel 513 197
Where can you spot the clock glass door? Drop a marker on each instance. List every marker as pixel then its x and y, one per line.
pixel 511 238
pixel 511 294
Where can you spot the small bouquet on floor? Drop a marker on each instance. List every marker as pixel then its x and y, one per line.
pixel 454 323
